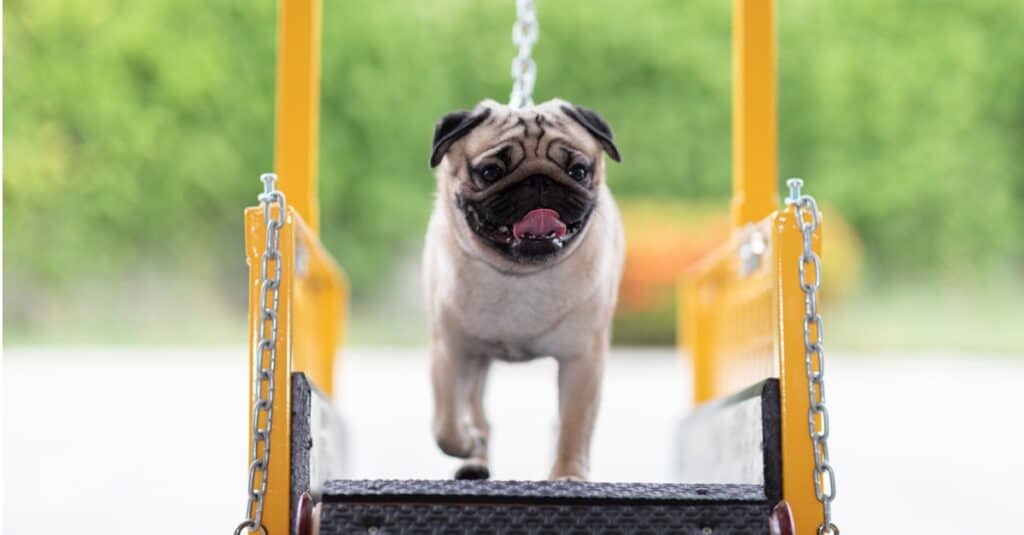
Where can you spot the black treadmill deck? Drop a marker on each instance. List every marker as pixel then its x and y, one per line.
pixel 380 507
pixel 513 507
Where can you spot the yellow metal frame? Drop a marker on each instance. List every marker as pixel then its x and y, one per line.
pixel 743 326
pixel 314 291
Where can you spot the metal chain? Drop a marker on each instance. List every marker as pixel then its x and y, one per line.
pixel 265 358
pixel 808 219
pixel 525 32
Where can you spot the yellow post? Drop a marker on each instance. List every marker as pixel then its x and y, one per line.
pixel 298 106
pixel 754 147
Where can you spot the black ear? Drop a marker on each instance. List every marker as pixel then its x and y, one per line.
pixel 451 128
pixel 597 126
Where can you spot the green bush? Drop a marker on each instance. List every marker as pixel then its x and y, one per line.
pixel 135 131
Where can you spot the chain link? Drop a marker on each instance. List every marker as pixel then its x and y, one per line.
pixel 525 32
pixel 808 218
pixel 265 357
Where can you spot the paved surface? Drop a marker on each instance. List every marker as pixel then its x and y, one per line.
pixel 148 440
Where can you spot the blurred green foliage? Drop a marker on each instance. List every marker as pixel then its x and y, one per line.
pixel 134 132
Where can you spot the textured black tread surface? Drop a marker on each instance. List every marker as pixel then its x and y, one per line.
pixel 541 507
pixel 519 491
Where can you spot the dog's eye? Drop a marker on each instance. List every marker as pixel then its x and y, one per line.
pixel 491 172
pixel 578 172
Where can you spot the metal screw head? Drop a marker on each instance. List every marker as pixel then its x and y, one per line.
pixel 794 185
pixel 268 180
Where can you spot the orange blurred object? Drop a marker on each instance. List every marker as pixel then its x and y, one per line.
pixel 664 238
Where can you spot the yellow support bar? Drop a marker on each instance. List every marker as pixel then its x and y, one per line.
pixel 298 106
pixel 754 127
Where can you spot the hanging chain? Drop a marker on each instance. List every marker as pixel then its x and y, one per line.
pixel 808 218
pixel 524 70
pixel 265 357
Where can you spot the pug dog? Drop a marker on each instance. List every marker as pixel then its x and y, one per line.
pixel 523 257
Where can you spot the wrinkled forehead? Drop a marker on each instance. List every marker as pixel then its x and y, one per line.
pixel 533 129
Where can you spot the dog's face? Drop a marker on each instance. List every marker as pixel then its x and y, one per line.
pixel 522 184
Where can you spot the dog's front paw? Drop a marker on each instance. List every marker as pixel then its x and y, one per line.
pixel 473 470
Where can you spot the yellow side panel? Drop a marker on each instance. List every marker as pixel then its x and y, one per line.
pixel 298 106
pixel 742 329
pixel 797 453
pixel 754 146
pixel 276 502
pixel 320 306
pixel 726 322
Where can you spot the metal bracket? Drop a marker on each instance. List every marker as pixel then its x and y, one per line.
pixel 753 248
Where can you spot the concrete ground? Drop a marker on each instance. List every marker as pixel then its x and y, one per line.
pixel 152 440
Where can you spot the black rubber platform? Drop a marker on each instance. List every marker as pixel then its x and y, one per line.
pixel 528 507
pixel 547 507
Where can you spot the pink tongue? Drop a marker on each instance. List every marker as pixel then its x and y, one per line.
pixel 539 223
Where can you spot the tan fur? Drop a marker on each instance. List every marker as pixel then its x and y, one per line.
pixel 484 306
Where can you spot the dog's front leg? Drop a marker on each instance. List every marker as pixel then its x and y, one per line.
pixel 579 394
pixel 457 377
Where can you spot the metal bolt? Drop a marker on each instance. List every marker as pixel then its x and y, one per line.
pixel 268 180
pixel 707 531
pixel 372 530
pixel 794 184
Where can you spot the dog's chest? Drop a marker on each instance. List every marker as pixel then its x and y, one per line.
pixel 508 309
